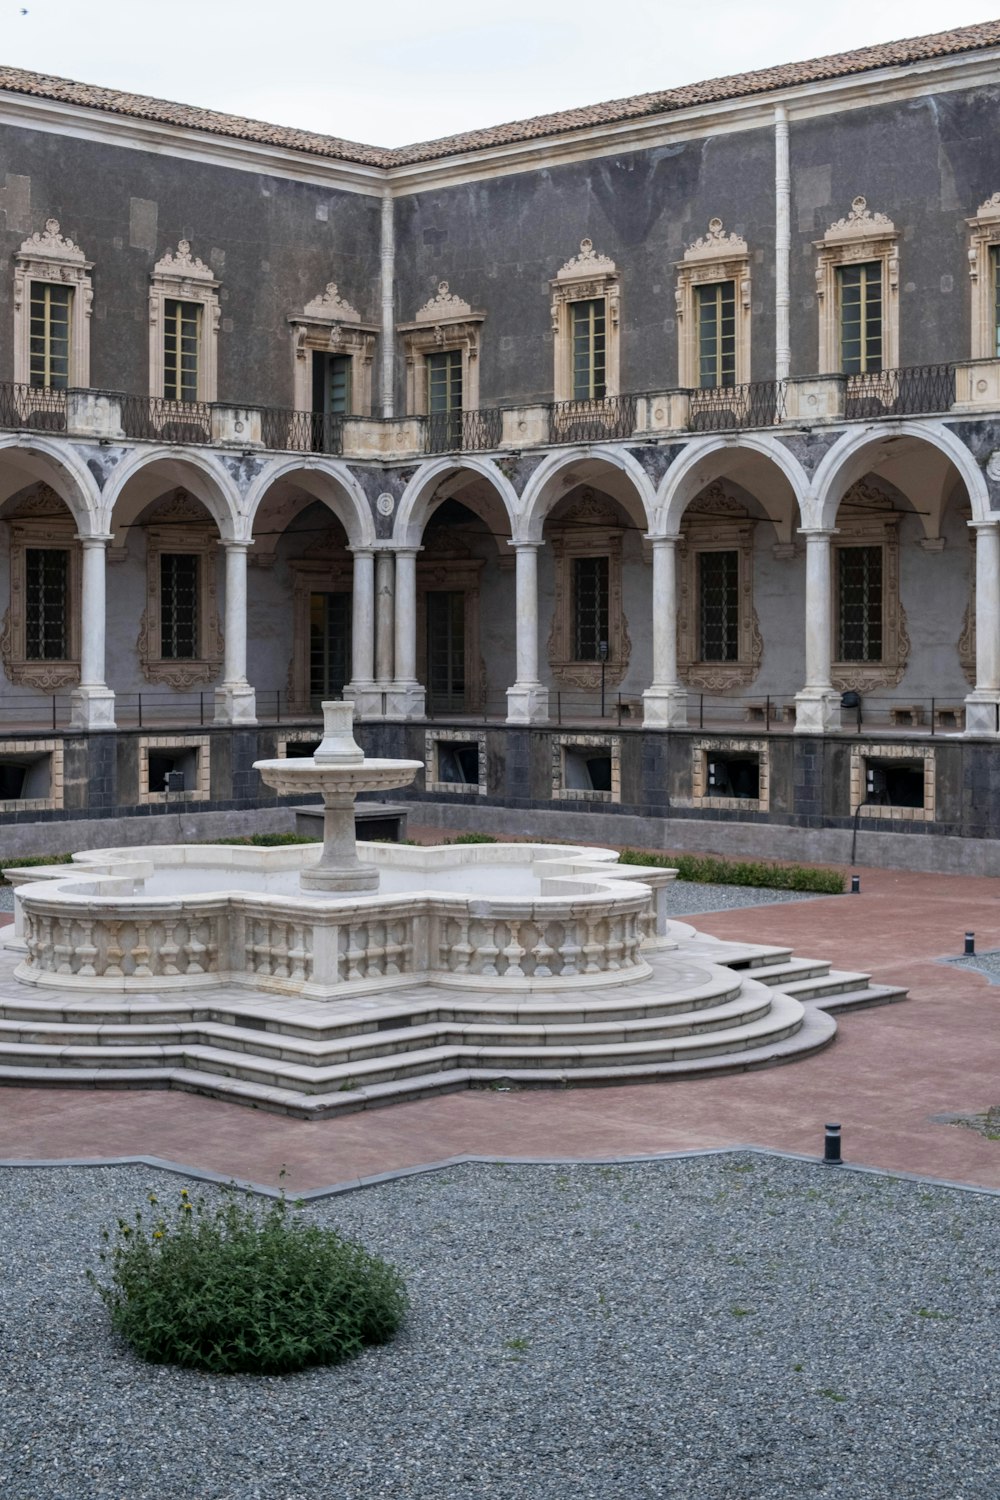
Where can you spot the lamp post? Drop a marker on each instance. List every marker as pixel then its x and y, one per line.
pixel 602 652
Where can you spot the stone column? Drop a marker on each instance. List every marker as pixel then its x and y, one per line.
pixel 817 706
pixel 527 700
pixel 235 700
pixel 407 697
pixel 384 618
pixel 361 688
pixel 982 706
pixel 93 702
pixel 665 700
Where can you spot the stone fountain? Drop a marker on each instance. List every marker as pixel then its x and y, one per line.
pixel 338 771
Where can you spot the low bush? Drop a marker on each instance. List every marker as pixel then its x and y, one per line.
pixel 268 840
pixel 29 860
pixel 473 838
pixel 707 869
pixel 241 1288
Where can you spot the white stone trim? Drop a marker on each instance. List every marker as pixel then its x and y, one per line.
pixel 715 522
pixel 860 236
pixel 611 743
pixel 702 750
pixel 296 737
pixel 47 255
pixel 183 276
pixel 861 752
pixel 984 236
pixel 589 528
pixel 200 538
pixel 716 256
pixel 20 749
pixel 445 322
pixel 330 325
pixel 43 522
pixel 585 277
pixel 198 742
pixel 879 528
pixel 433 738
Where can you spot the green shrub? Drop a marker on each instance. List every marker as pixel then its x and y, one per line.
pixel 268 840
pixel 244 1289
pixel 706 869
pixel 29 860
pixel 473 838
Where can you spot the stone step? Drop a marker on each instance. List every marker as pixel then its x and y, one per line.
pixel 791 969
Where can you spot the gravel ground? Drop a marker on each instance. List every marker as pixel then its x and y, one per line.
pixel 721 1328
pixel 983 963
pixel 6 898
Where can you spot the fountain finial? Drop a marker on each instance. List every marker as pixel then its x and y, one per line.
pixel 338 746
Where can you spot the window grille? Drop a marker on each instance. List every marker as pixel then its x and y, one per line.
pixel 181 334
pixel 588 321
pixel 329 646
pixel 590 607
pixel 860 292
pixel 47 613
pixel 48 358
pixel 859 595
pixel 719 605
pixel 179 605
pixel 715 311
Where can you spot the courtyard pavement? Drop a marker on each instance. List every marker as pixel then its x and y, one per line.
pixel 889 1073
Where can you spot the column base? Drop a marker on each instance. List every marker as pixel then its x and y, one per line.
pixel 982 714
pixel 405 700
pixel 817 711
pixel 664 708
pixel 527 703
pixel 368 699
pixel 235 703
pixel 92 708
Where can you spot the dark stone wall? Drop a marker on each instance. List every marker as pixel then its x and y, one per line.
pixel 263 238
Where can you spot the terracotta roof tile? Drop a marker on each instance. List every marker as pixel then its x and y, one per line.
pixel 714 90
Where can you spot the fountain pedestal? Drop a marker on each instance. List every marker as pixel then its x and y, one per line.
pixel 338 772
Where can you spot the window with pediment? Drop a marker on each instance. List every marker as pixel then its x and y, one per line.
pixel 53 301
pixel 184 320
pixel 719 644
pixel 586 317
pixel 984 278
pixel 334 350
pixel 714 311
pixel 857 293
pixel 441 347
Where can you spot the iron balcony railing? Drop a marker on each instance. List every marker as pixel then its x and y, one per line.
pixel 592 421
pixel 301 431
pixel 899 393
pixel 39 407
pixel 464 431
pixel 716 409
pixel 156 418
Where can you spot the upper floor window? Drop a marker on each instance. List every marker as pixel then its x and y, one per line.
pixel 333 355
pixel 331 383
pixel 857 293
pixel 585 323
pixel 984 279
pixel 719 605
pixel 183 328
pixel 53 300
pixel 590 348
pixel 713 311
pixel 442 363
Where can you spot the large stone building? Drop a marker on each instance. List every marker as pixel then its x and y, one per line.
pixel 641 460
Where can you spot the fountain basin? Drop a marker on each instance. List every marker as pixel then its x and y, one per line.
pixel 503 917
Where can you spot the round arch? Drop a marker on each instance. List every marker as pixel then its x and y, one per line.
pixel 148 472
pixel 741 459
pixel 38 459
pixel 558 473
pixel 414 507
pixel 326 480
pixel 876 447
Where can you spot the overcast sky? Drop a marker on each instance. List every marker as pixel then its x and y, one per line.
pixel 397 71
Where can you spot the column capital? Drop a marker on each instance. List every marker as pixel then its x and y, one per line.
pixel 809 532
pixel 101 539
pixel 522 546
pixel 238 545
pixel 662 538
pixel 407 551
pixel 361 549
pixel 990 525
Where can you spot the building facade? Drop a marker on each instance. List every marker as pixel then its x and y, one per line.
pixel 642 460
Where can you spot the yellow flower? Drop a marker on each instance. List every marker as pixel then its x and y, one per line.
pixel 153 1198
pixel 157 1234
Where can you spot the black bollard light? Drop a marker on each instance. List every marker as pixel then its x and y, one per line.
pixel 970 945
pixel 855 885
pixel 831 1147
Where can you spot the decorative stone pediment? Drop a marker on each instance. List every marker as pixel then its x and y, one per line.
pixel 860 224
pixel 716 245
pixel 446 321
pixel 49 245
pixel 50 256
pixel 585 277
pixel 715 502
pixel 444 305
pixel 330 307
pixel 182 276
pixel 182 264
pixel 36 501
pixel 587 264
pixel 180 506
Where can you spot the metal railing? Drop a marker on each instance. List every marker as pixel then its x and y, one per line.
pixel 464 431
pixel 37 407
pixel 716 409
pixel 301 431
pixel 592 421
pixel 156 418
pixel 899 393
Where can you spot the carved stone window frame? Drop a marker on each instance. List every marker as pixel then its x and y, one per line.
pixel 198 538
pixel 863 752
pixel 589 528
pixel 324 568
pixel 49 256
pixel 51 528
pixel 702 750
pixel 878 529
pixel 435 737
pixel 181 276
pixel 984 237
pixel 563 742
pixel 716 256
pixel 716 522
pixel 585 277
pixel 330 325
pixel 15 750
pixel 441 566
pixel 444 323
pixel 199 743
pixel 860 236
